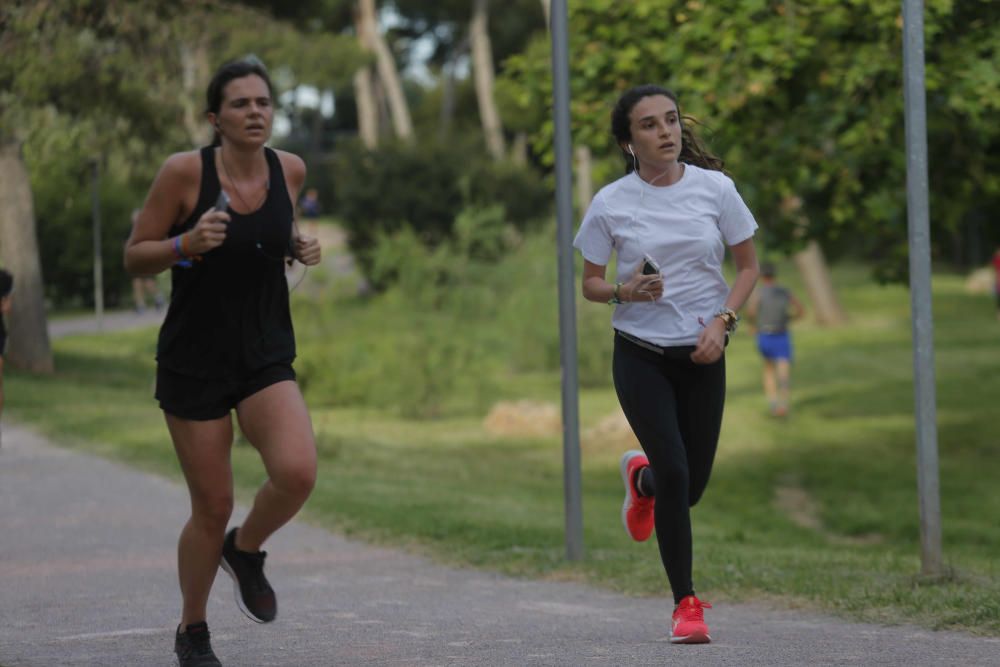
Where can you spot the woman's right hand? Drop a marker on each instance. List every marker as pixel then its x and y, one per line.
pixel 641 287
pixel 208 233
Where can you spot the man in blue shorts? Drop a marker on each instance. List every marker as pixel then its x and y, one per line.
pixel 771 308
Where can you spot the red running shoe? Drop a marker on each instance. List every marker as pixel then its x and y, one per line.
pixel 689 622
pixel 637 511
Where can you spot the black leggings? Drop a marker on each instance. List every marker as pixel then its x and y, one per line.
pixel 674 406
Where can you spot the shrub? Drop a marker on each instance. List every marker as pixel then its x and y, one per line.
pixel 426 189
pixel 379 192
pixel 456 320
pixel 520 190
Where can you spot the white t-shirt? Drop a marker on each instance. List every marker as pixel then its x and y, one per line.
pixel 684 228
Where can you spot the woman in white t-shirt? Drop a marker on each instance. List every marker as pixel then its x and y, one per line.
pixel 668 221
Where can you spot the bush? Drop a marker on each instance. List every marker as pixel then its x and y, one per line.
pixel 456 320
pixel 522 192
pixel 425 188
pixel 409 350
pixel 63 209
pixel 379 192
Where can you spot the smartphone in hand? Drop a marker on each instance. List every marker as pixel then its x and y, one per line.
pixel 649 267
pixel 222 203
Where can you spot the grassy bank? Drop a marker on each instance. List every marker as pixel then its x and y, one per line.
pixel 819 510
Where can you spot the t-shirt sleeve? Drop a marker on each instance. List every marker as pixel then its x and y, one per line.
pixel 594 240
pixel 736 222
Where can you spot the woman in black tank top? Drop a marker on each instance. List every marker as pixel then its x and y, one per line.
pixel 227 342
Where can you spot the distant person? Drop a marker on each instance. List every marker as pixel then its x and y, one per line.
pixel 309 206
pixel 6 294
pixel 996 280
pixel 227 341
pixel 669 221
pixel 145 286
pixel 771 308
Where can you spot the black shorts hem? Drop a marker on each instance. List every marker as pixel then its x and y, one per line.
pixel 206 399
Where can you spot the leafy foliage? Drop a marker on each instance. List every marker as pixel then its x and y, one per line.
pixel 107 81
pixel 805 100
pixel 425 188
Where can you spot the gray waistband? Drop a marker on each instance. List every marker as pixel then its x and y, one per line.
pixel 640 342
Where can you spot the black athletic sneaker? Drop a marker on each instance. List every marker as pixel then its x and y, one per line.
pixel 254 595
pixel 193 647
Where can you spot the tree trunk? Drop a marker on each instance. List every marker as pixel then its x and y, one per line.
pixel 364 98
pixel 381 106
pixel 447 100
pixel 373 41
pixel 28 347
pixel 194 77
pixel 316 132
pixel 482 66
pixel 816 276
pixel 584 180
pixel 519 148
pixel 448 87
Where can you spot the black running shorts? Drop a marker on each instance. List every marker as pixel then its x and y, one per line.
pixel 202 399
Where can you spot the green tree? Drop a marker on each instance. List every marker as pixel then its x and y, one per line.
pixel 803 99
pixel 107 80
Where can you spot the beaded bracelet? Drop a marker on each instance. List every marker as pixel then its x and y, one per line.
pixel 178 251
pixel 178 246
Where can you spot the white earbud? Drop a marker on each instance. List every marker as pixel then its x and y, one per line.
pixel 630 150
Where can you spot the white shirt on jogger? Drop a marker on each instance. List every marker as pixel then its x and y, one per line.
pixel 684 228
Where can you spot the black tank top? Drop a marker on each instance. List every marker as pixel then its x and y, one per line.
pixel 229 312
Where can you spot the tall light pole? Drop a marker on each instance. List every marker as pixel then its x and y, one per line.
pixel 95 211
pixel 567 290
pixel 917 211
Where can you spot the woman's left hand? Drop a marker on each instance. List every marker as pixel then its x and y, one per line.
pixel 307 250
pixel 711 342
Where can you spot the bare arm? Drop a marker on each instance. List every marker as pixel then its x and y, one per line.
pixel 305 248
pixel 798 310
pixel 637 288
pixel 171 198
pixel 751 310
pixel 712 340
pixel 747 270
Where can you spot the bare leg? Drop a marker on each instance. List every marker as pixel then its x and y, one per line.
pixel 203 448
pixel 152 290
pixel 770 384
pixel 139 294
pixel 784 369
pixel 276 422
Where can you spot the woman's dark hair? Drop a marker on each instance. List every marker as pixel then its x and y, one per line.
pixel 693 151
pixel 234 69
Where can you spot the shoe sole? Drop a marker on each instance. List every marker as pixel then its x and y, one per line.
pixel 694 638
pixel 628 489
pixel 239 596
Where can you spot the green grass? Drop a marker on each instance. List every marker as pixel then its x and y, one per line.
pixel 847 542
